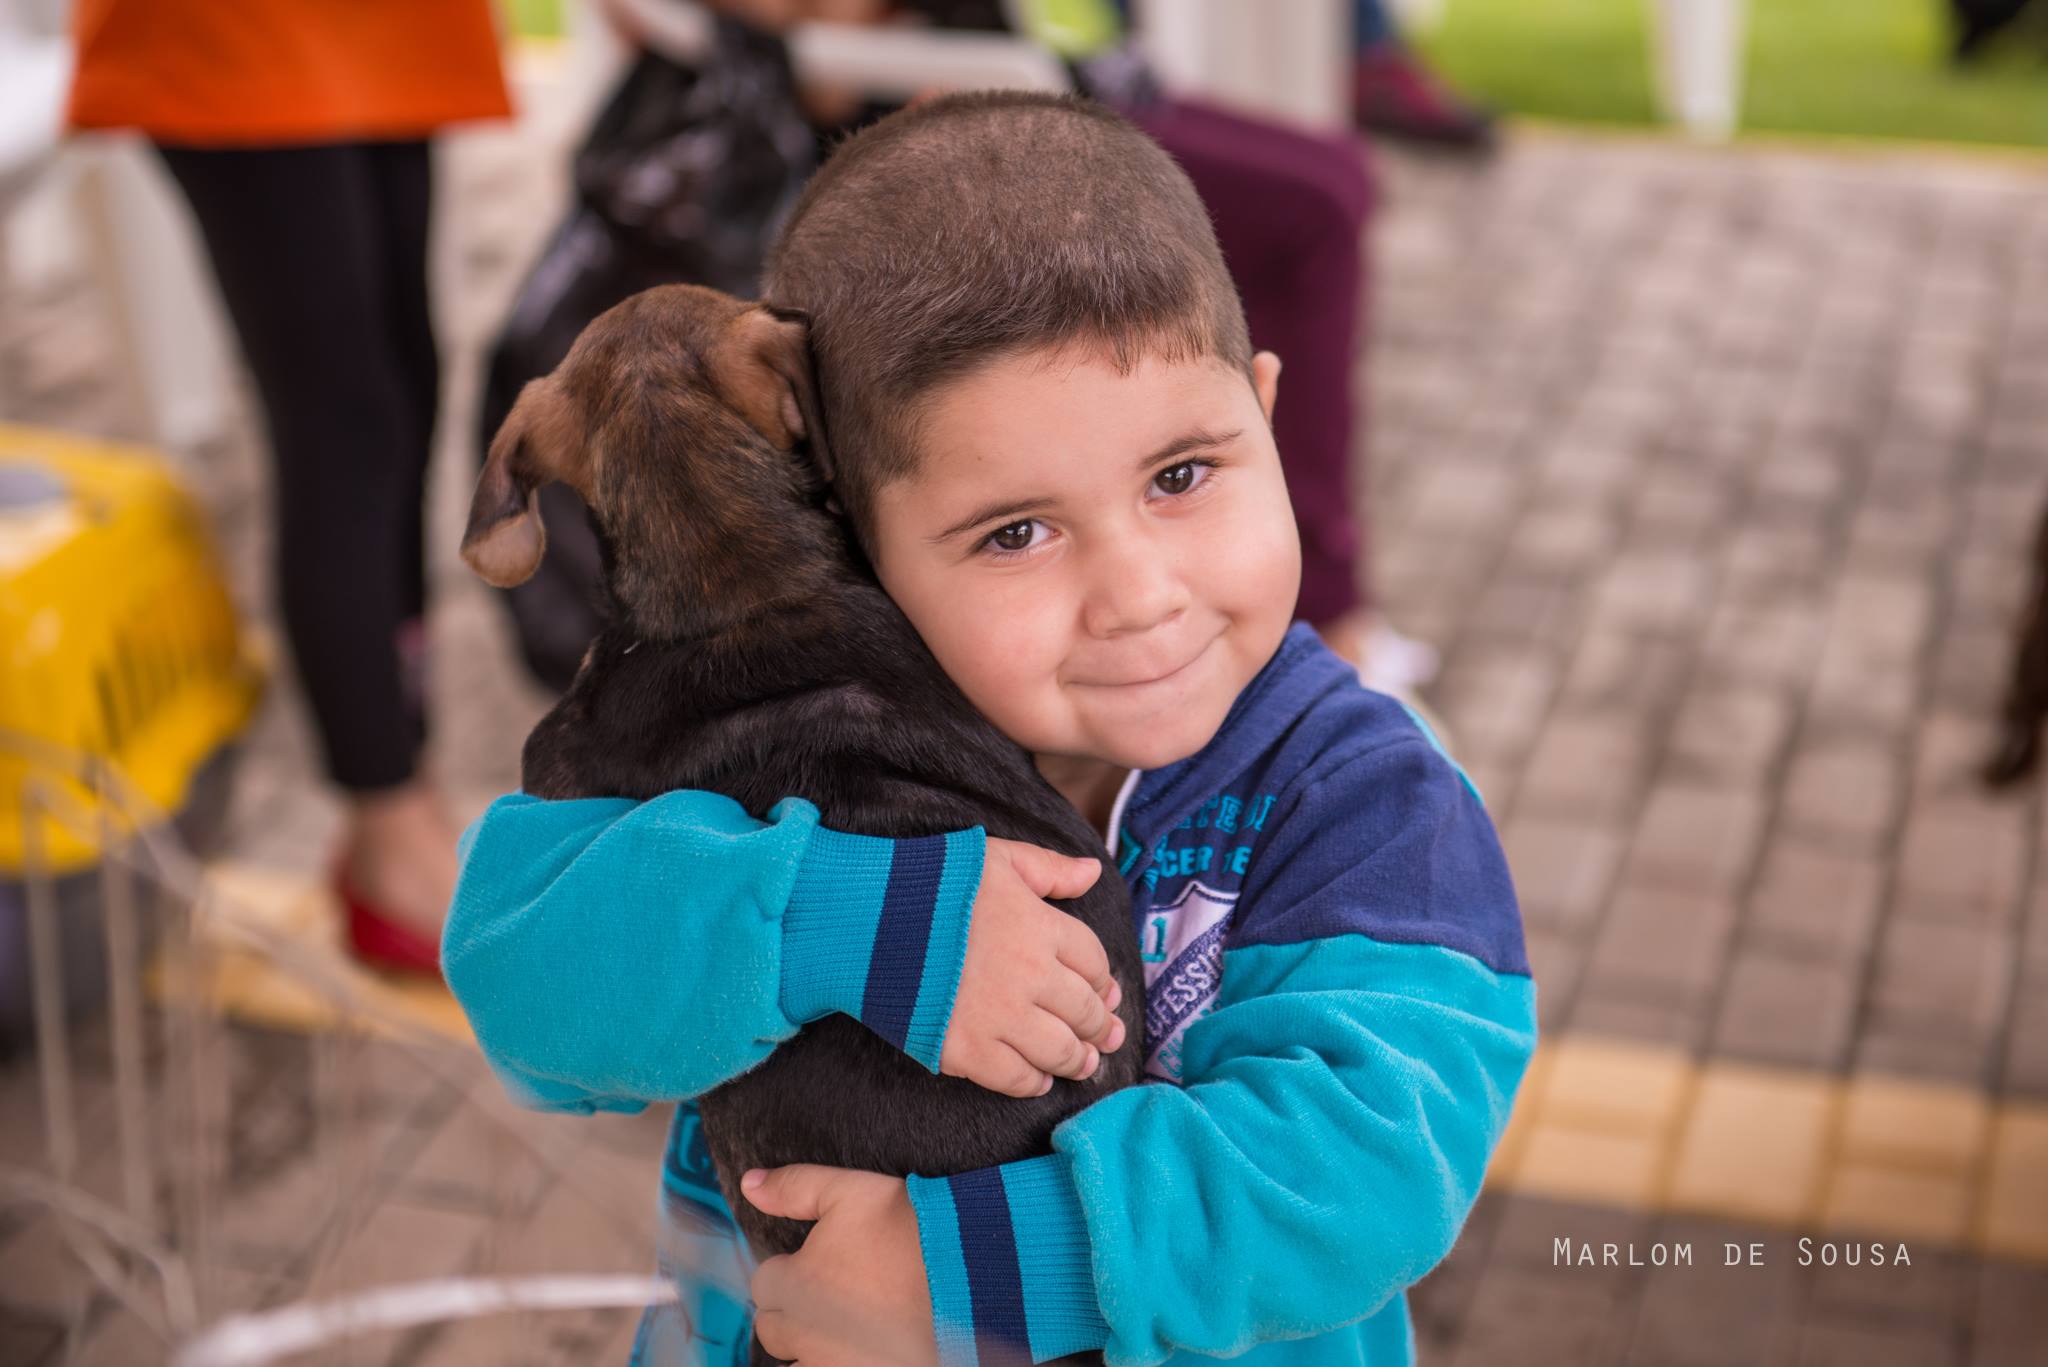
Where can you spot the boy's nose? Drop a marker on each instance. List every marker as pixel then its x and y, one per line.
pixel 1133 587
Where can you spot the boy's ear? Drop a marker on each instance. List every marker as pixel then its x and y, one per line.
pixel 762 367
pixel 1266 381
pixel 539 443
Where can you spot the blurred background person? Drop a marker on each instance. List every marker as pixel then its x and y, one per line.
pixel 1395 95
pixel 297 131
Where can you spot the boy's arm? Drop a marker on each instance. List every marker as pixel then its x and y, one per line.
pixel 1338 1109
pixel 610 953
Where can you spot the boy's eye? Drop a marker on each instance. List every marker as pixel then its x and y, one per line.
pixel 1179 479
pixel 1015 537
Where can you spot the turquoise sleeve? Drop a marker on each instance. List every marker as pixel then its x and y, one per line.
pixel 1338 1110
pixel 612 953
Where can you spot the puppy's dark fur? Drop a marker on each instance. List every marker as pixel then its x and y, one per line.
pixel 750 651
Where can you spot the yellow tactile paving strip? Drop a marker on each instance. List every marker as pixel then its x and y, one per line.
pixel 1599 1121
pixel 1609 1122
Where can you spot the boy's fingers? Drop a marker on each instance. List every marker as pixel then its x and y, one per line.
pixel 1052 876
pixel 1075 1002
pixel 765 1288
pixel 1027 1079
pixel 1048 1042
pixel 769 1329
pixel 773 1329
pixel 1073 877
pixel 1007 1072
pixel 1082 952
pixel 800 1191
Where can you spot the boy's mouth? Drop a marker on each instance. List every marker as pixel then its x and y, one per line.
pixel 1140 678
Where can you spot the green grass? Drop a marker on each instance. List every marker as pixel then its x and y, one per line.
pixel 534 18
pixel 1866 68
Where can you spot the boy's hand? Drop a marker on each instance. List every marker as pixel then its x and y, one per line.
pixel 1036 997
pixel 855 1294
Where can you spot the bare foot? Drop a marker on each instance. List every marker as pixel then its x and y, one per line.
pixel 401 856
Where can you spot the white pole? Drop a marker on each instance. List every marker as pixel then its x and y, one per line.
pixel 1698 52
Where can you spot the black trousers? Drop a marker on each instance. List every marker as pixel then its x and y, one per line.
pixel 321 254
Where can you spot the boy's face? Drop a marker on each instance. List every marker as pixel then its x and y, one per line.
pixel 1101 561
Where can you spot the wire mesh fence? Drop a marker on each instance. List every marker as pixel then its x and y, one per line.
pixel 182 1184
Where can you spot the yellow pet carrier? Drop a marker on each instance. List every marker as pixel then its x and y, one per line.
pixel 121 647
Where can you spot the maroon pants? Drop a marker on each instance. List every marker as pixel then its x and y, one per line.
pixel 1290 210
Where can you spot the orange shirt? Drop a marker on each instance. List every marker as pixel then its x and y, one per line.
pixel 239 73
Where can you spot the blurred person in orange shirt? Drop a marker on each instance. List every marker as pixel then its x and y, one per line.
pixel 297 131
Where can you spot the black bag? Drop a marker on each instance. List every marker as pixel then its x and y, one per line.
pixel 684 178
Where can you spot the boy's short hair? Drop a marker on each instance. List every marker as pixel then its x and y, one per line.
pixel 980 225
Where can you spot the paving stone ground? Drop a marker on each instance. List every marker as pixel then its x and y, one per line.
pixel 1712 475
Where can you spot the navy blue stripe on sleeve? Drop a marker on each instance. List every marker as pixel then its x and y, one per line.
pixel 993 1277
pixel 897 969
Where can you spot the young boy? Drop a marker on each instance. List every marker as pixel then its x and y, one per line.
pixel 1053 440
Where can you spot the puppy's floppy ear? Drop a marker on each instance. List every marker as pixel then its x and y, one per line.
pixel 761 365
pixel 538 444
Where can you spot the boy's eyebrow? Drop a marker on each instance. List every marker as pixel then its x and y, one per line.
pixel 1014 508
pixel 1008 509
pixel 1193 441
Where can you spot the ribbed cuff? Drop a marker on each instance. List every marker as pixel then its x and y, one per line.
pixel 877 929
pixel 1007 1260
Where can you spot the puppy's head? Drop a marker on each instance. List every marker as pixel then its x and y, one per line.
pixel 689 422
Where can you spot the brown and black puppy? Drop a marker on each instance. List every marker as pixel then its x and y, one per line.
pixel 750 651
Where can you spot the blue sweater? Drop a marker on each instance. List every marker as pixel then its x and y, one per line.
pixel 1338 1014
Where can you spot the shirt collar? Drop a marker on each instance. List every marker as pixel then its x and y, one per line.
pixel 1301 670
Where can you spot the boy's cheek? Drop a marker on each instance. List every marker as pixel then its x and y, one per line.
pixel 998 647
pixel 1283 555
pixel 1253 569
